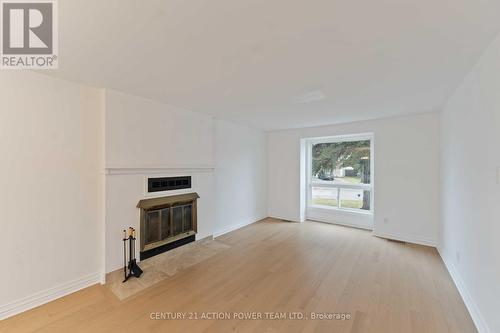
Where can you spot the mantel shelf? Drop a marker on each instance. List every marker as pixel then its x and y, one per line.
pixel 142 169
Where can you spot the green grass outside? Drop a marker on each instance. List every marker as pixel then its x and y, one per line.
pixel 325 202
pixel 355 204
pixel 352 180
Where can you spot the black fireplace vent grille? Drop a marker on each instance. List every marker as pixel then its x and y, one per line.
pixel 168 183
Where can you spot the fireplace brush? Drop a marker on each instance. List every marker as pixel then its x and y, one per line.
pixel 132 269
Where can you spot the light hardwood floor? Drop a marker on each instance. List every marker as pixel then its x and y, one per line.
pixel 275 266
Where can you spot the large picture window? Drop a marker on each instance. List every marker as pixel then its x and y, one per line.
pixel 339 173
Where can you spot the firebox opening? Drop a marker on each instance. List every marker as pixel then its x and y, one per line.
pixel 167 220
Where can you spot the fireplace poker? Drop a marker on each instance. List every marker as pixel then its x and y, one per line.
pixel 133 268
pixel 125 254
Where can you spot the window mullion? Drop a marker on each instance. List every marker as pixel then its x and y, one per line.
pixel 366 187
pixel 338 197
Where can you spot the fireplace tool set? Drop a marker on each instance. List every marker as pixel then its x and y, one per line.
pixel 132 269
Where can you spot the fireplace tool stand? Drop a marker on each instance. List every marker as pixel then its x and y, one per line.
pixel 132 269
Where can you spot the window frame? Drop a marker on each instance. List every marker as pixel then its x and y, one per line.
pixel 310 183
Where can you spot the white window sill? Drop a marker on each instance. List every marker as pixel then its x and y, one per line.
pixel 341 210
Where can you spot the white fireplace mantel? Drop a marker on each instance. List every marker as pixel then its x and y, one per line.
pixel 143 169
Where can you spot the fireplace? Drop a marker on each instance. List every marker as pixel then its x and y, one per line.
pixel 166 223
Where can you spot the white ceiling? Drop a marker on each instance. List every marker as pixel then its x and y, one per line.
pixel 276 64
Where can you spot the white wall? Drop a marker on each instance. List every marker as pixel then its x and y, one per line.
pixel 471 189
pixel 144 133
pixel 240 176
pixel 406 173
pixel 145 139
pixel 65 200
pixel 51 188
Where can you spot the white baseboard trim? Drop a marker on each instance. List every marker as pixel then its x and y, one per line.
pixel 236 227
pixel 406 238
pixel 477 317
pixel 339 223
pixel 284 218
pixel 45 296
pixel 102 280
